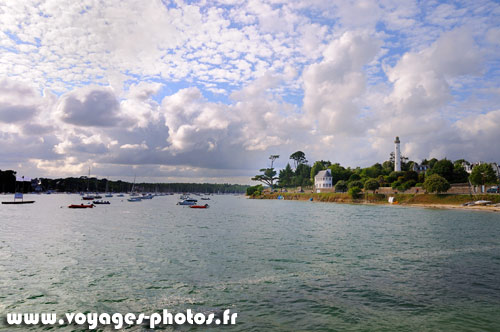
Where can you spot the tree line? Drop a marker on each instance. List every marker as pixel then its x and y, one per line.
pixel 437 178
pixel 8 184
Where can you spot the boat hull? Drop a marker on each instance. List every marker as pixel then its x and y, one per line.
pixel 22 202
pixel 206 206
pixel 81 206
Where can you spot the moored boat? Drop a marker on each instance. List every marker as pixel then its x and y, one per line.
pixel 189 201
pixel 101 202
pixel 81 206
pixel 206 206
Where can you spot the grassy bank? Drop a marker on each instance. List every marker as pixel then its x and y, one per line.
pixel 422 199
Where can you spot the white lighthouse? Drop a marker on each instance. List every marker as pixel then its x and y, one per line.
pixel 397 155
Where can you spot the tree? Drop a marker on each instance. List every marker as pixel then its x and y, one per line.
pixel 339 173
pixel 254 190
pixel 356 183
pixel 459 173
pixel 354 192
pixel 341 186
pixel 319 166
pixel 273 157
pixel 286 176
pixel 298 157
pixel 302 175
pixel 436 183
pixel 444 168
pixel 372 184
pixel 267 178
pixel 483 174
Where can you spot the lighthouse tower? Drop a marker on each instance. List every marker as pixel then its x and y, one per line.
pixel 397 155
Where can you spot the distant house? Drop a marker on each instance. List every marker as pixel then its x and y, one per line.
pixel 468 167
pixel 420 168
pixel 323 180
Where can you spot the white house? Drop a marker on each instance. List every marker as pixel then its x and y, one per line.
pixel 323 180
pixel 420 168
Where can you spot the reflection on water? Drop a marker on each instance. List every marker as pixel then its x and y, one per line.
pixel 282 265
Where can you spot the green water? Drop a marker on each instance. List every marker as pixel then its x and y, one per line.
pixel 281 265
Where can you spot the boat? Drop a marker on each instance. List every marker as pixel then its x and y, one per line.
pixel 81 206
pixel 149 196
pixel 101 202
pixel 189 201
pixel 120 195
pixel 108 194
pixel 206 206
pixel 18 196
pixel 205 199
pixel 88 196
pixel 134 199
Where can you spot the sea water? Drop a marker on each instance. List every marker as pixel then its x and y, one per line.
pixel 281 265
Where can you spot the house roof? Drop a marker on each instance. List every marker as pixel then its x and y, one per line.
pixel 323 174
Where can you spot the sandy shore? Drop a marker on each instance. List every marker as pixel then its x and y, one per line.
pixel 459 207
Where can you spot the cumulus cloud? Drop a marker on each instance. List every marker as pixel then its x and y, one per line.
pixel 90 107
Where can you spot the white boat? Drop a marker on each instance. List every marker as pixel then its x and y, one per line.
pixel 189 201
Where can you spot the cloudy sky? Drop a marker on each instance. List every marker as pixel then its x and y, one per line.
pixel 207 90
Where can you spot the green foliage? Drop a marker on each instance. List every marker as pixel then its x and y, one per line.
pixel 356 183
pixel 286 176
pixel 302 175
pixel 483 174
pixel 436 183
pixel 255 190
pixel 372 184
pixel 341 186
pixel 7 181
pixel 318 166
pixel 459 173
pixel 444 168
pixel 354 177
pixel 298 157
pixel 354 192
pixel 339 173
pixel 268 177
pixel 372 172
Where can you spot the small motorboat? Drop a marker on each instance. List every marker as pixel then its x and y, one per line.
pixel 101 202
pixel 189 201
pixel 81 206
pixel 134 199
pixel 88 198
pixel 206 206
pixel 205 199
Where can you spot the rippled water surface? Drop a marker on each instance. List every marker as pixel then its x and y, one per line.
pixel 282 265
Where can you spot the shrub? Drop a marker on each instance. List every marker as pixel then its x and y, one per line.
pixel 354 192
pixel 358 184
pixel 341 186
pixel 372 184
pixel 255 190
pixel 436 183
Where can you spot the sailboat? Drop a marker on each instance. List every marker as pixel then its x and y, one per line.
pixel 19 196
pixel 108 194
pixel 88 197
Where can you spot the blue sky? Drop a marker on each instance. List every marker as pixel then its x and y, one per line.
pixel 207 90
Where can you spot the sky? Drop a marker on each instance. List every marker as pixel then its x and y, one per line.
pixel 206 91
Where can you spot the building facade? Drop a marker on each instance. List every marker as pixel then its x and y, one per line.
pixel 323 180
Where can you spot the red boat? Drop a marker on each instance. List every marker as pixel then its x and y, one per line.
pixel 206 206
pixel 81 206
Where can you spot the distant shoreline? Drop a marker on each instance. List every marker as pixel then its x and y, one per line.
pixel 436 201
